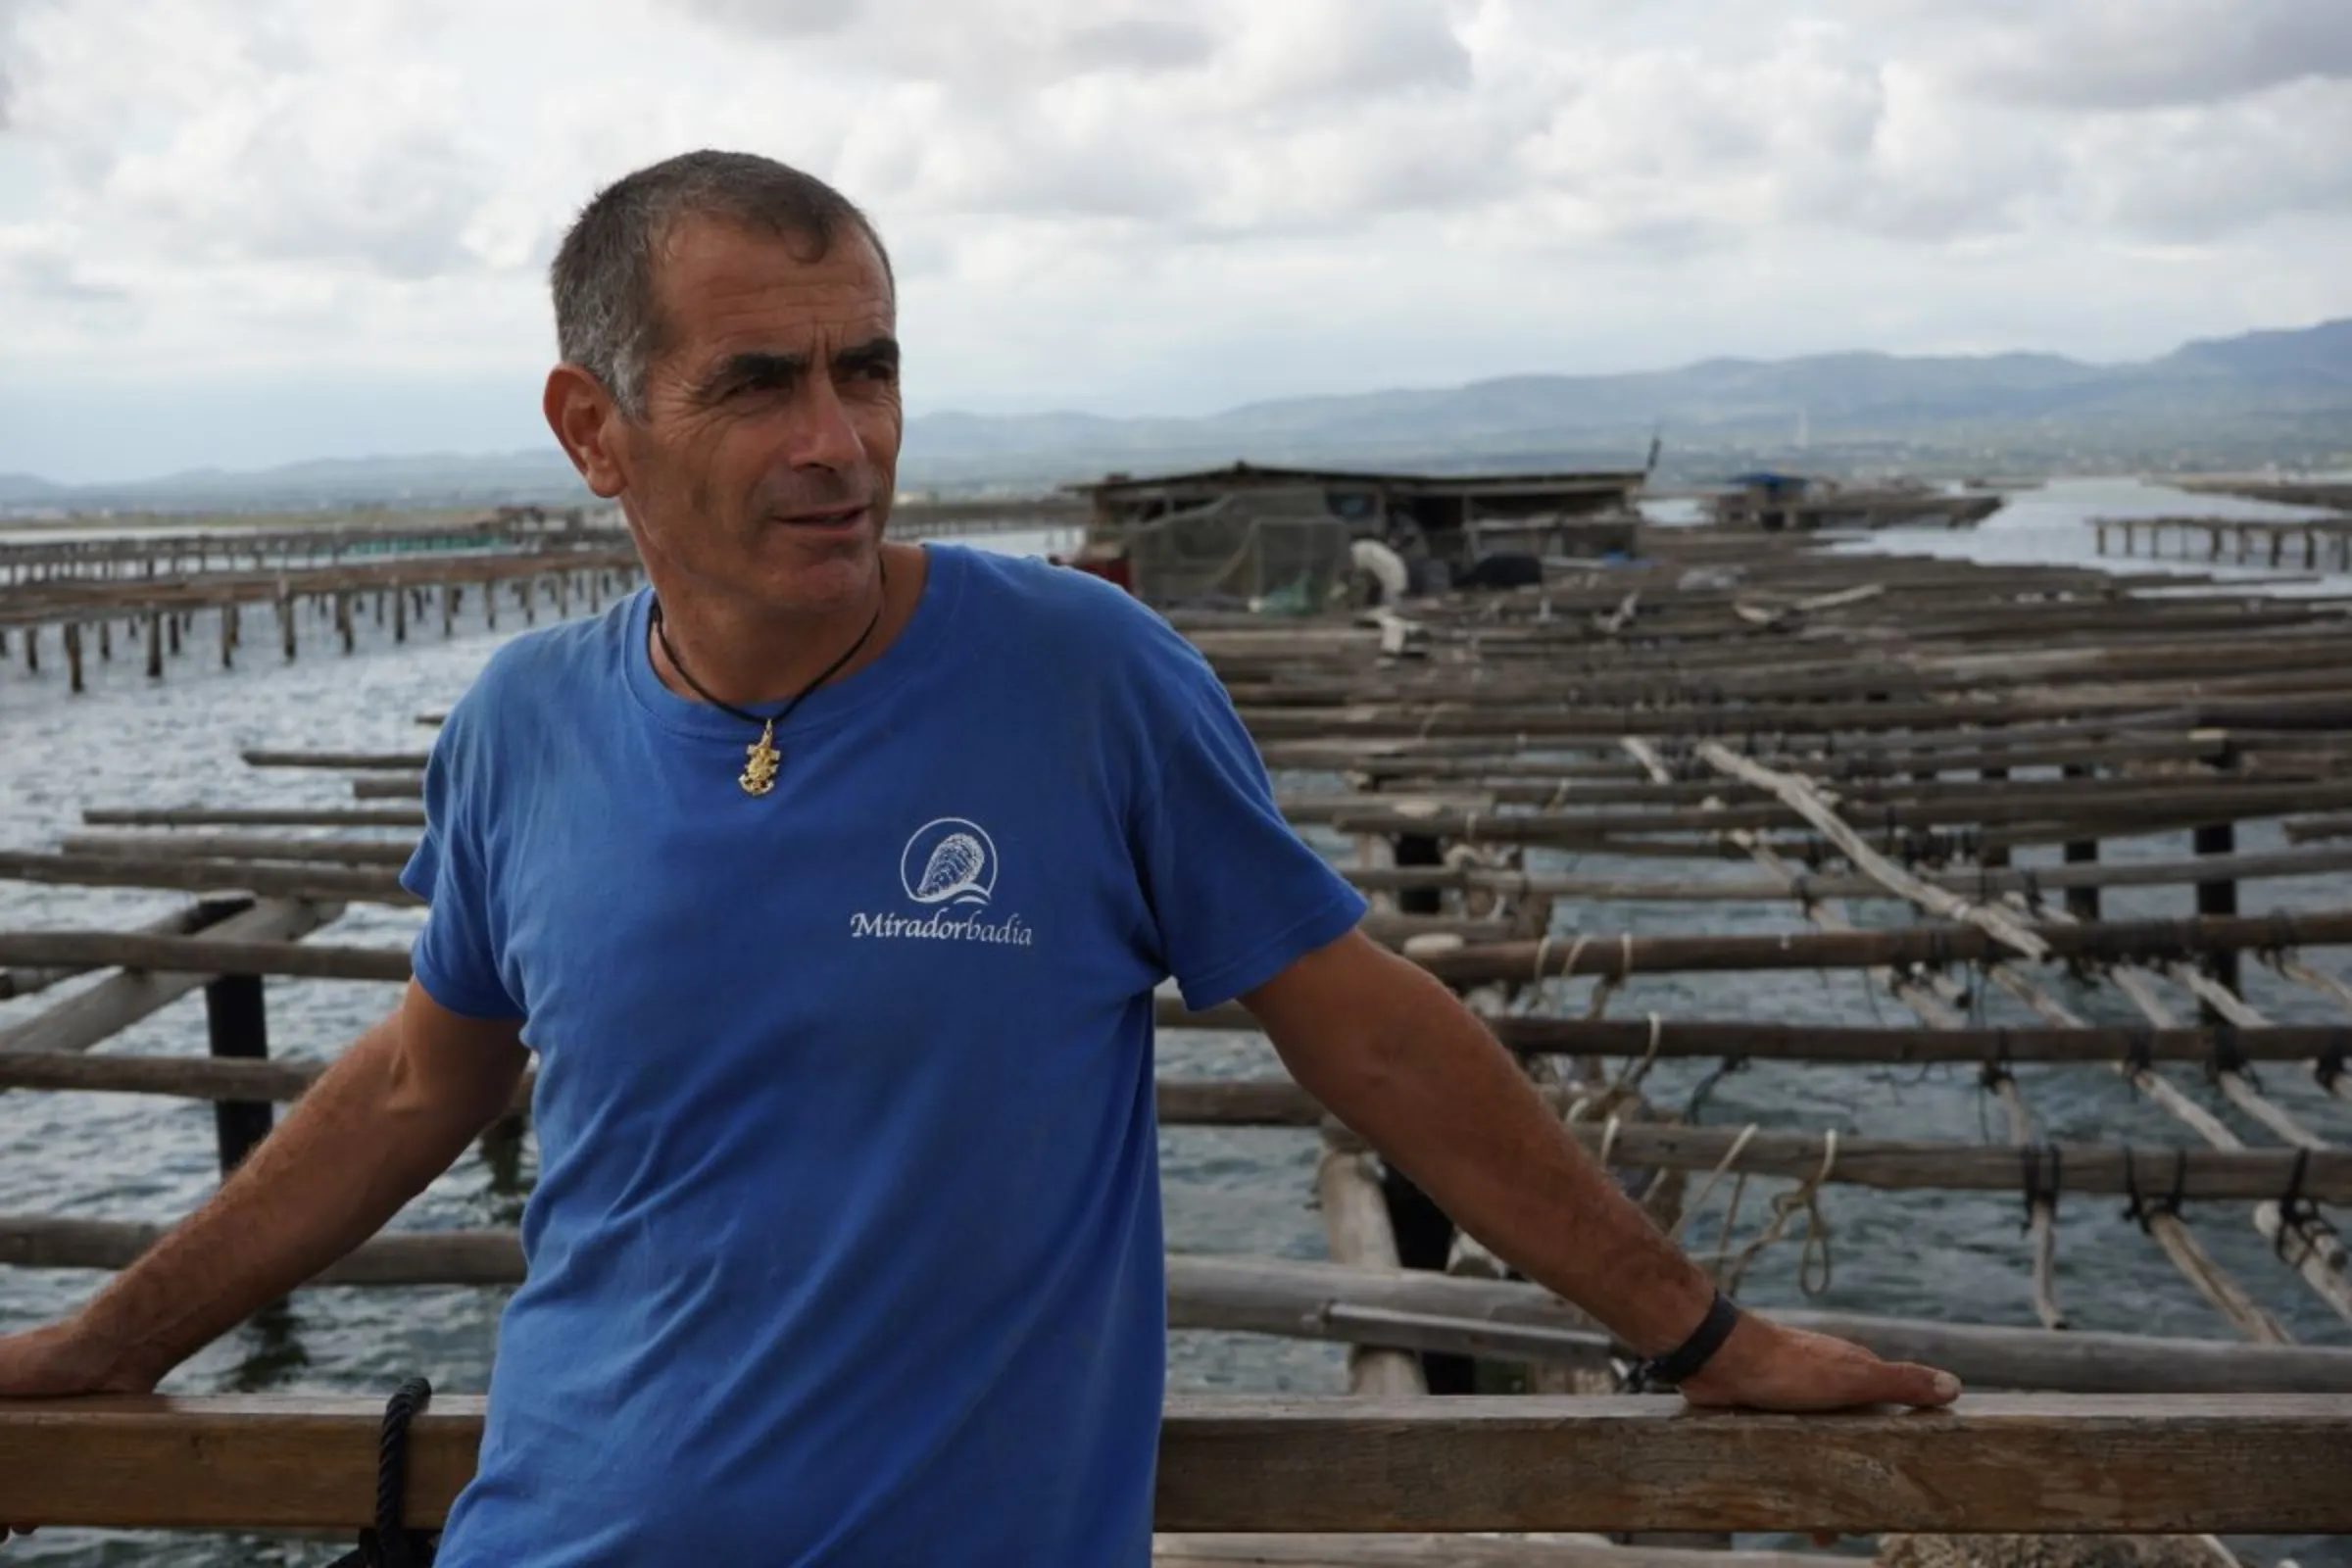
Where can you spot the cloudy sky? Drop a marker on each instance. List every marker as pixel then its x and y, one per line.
pixel 236 232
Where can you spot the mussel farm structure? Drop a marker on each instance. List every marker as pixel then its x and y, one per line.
pixel 2077 852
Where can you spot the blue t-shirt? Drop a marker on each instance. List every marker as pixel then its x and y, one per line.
pixel 846 1244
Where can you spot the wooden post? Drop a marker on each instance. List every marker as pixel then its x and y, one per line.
pixel 106 640
pixel 1995 857
pixel 154 645
pixel 2082 903
pixel 2218 898
pixel 450 593
pixel 287 614
pixel 343 621
pixel 490 604
pixel 73 655
pixel 236 1026
pixel 171 628
pixel 400 615
pixel 33 650
pixel 229 635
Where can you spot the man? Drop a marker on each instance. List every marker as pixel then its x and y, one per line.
pixel 830 881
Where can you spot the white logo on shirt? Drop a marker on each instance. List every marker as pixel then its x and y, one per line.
pixel 949 861
pixel 949 866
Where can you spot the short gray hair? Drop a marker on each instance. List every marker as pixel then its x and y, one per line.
pixel 603 276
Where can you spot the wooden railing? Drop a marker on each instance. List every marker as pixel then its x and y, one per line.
pixel 2221 1464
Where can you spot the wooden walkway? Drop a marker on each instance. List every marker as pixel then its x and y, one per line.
pixel 2322 544
pixel 67 599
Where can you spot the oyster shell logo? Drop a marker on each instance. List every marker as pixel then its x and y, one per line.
pixel 949 868
pixel 951 862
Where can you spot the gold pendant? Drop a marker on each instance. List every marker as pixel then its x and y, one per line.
pixel 758 774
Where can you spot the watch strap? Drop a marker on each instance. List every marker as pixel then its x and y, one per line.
pixel 1686 1360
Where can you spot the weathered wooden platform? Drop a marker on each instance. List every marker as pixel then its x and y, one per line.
pixel 2171 1465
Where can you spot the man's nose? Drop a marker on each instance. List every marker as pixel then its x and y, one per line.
pixel 823 436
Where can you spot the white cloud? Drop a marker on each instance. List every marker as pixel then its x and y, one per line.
pixel 1185 203
pixel 2142 54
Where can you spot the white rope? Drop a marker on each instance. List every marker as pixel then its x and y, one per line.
pixel 1805 1198
pixel 1731 1157
pixel 1636 1071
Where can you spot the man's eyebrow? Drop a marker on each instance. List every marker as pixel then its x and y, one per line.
pixel 754 368
pixel 874 353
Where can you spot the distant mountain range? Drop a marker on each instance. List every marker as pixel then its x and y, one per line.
pixel 2281 397
pixel 2291 390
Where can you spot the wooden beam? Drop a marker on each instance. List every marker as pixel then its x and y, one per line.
pixel 119 1001
pixel 2236 1464
pixel 333 883
pixel 1422 1309
pixel 1601 954
pixel 1978 882
pixel 1608 954
pixel 25 982
pixel 493 1257
pixel 1548 1550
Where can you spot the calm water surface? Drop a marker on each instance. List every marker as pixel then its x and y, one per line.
pixel 1244 1190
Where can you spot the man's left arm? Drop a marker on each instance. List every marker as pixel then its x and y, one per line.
pixel 1389 1051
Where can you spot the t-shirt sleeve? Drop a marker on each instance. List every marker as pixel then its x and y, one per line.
pixel 455 957
pixel 1237 894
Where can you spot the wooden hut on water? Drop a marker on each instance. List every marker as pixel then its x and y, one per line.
pixel 1256 534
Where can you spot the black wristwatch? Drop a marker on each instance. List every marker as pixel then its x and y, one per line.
pixel 1684 1359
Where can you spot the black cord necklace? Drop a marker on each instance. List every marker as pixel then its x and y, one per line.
pixel 758 775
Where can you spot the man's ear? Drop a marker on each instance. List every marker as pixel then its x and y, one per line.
pixel 587 422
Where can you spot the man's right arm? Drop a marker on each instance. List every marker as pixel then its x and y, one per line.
pixel 394 1112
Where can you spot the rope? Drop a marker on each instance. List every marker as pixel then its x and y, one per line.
pixel 2036 1191
pixel 1635 1072
pixel 2299 1217
pixel 1602 989
pixel 1804 1197
pixel 1731 1157
pixel 2141 1206
pixel 391 1544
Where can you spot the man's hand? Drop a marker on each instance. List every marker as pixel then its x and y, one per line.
pixel 393 1111
pixel 1763 1365
pixel 56 1362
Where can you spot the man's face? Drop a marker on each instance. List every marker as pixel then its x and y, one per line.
pixel 763 466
